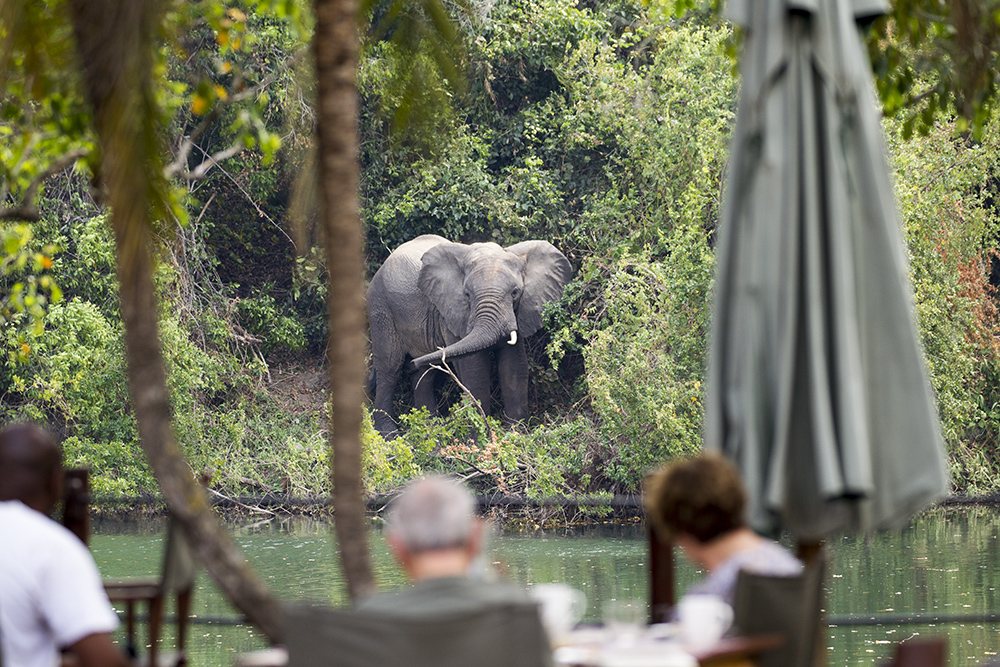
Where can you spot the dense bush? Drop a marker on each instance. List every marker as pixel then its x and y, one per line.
pixel 946 191
pixel 589 125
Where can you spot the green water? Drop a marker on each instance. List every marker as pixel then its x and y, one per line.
pixel 945 561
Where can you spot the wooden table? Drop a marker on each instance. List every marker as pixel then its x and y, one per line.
pixel 738 651
pixel 729 652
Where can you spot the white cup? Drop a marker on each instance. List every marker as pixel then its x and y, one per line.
pixel 624 619
pixel 703 619
pixel 561 607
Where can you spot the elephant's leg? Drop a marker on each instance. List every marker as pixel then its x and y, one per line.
pixel 423 389
pixel 474 372
pixel 387 362
pixel 385 389
pixel 512 367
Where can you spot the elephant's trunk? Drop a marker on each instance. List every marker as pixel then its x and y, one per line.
pixel 490 326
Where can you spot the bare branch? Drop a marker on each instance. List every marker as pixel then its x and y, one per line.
pixel 253 202
pixel 179 165
pixel 26 210
pixel 202 169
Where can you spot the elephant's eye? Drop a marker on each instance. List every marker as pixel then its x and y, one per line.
pixel 515 293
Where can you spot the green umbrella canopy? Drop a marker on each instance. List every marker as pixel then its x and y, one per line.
pixel 816 381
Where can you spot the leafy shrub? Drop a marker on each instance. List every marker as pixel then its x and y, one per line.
pixel 262 318
pixel 644 367
pixel 945 188
pixel 115 468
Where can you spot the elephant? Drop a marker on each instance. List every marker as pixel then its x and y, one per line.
pixel 434 300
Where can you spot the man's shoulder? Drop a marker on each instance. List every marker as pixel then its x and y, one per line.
pixel 459 594
pixel 31 525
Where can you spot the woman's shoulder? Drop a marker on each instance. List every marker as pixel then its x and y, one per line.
pixel 769 558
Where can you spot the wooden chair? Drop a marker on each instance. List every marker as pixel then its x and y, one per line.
pixel 76 502
pixel 176 577
pixel 789 606
pixel 662 595
pixel 493 636
pixel 920 653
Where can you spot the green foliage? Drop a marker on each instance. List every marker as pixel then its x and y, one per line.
pixel 937 60
pixel 945 188
pixel 254 444
pixel 637 153
pixel 545 463
pixel 75 373
pixel 86 265
pixel 386 464
pixel 644 366
pixel 455 198
pixel 115 468
pixel 262 318
pixel 26 287
pixel 600 127
pixel 43 115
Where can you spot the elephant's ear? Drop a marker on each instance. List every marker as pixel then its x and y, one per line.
pixel 546 272
pixel 442 281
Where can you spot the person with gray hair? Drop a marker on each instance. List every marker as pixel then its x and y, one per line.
pixel 434 533
pixel 433 530
pixel 450 616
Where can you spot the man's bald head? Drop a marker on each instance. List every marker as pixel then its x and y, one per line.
pixel 30 467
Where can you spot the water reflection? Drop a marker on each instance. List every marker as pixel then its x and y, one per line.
pixel 944 561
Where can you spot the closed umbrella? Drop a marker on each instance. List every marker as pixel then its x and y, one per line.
pixel 816 381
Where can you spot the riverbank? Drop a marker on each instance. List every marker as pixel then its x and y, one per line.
pixel 513 512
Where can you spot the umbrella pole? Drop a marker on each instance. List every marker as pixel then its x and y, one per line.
pixel 811 554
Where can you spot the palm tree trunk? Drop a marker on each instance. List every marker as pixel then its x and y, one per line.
pixel 336 48
pixel 116 39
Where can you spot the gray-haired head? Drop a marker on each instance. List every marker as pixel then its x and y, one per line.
pixel 432 513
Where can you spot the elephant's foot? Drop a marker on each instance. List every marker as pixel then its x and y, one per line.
pixel 385 425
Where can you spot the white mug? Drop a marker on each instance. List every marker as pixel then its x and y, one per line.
pixel 561 607
pixel 703 619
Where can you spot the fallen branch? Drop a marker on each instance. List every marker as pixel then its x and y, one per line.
pixel 239 504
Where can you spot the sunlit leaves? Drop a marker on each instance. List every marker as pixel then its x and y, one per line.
pixel 26 288
pixel 426 55
pixel 43 116
pixel 938 59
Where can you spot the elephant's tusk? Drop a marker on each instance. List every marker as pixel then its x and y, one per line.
pixel 513 338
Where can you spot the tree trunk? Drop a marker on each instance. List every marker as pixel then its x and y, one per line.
pixel 116 39
pixel 336 48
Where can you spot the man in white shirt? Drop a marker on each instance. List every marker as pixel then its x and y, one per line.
pixel 51 596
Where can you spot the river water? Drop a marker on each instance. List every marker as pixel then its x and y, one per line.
pixel 946 562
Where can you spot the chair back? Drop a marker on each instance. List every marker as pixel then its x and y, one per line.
pixel 76 502
pixel 179 566
pixel 920 653
pixel 790 606
pixel 504 635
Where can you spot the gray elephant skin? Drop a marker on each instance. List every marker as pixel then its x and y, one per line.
pixel 433 299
